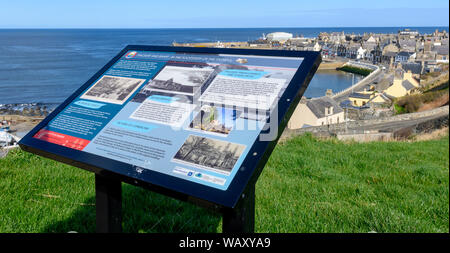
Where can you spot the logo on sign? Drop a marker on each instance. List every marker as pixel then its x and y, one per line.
pixel 131 54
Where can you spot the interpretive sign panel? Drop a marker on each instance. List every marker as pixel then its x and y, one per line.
pixel 195 122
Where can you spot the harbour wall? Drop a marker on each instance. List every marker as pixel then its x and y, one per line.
pixel 365 81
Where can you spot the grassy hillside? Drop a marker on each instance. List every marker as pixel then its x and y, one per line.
pixel 308 185
pixel 431 97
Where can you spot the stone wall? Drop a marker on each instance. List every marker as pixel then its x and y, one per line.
pixel 438 116
pixel 367 80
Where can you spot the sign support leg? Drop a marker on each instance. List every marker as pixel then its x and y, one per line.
pixel 242 217
pixel 108 203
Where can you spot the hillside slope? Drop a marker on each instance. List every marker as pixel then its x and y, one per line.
pixel 308 185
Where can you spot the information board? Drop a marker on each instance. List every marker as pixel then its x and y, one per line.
pixel 193 121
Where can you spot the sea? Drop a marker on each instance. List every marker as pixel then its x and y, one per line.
pixel 42 67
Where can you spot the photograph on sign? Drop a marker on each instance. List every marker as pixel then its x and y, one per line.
pixel 179 80
pixel 215 120
pixel 210 154
pixel 113 89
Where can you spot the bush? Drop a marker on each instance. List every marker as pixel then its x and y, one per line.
pixel 411 103
pixel 399 109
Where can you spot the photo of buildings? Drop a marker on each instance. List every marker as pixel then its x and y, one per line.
pixel 182 80
pixel 113 89
pixel 211 154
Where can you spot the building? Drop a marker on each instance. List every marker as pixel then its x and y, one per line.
pixel 371 40
pixel 442 54
pixel 379 98
pixel 409 45
pixel 361 53
pixel 404 83
pixel 279 36
pixel 377 55
pixel 415 68
pixel 431 66
pixel 408 33
pixel 352 52
pixel 360 99
pixel 317 47
pixel 316 112
pixel 404 56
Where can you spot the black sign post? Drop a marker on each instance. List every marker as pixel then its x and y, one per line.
pixel 242 217
pixel 140 120
pixel 108 204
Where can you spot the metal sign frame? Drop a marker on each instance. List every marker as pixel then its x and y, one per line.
pixel 178 188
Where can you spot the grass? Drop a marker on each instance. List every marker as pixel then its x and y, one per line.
pixel 308 185
pixel 399 109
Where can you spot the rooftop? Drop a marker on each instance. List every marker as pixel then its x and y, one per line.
pixel 318 105
pixel 360 95
pixel 408 85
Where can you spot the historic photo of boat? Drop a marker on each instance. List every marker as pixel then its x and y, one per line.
pixel 212 119
pixel 113 89
pixel 210 154
pixel 181 80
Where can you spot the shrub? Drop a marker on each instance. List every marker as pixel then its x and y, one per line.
pixel 411 103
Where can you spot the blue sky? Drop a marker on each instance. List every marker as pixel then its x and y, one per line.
pixel 221 14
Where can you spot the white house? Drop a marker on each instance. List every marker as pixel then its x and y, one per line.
pixel 316 112
pixel 317 47
pixel 405 57
pixel 361 53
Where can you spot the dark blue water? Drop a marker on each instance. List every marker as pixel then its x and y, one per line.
pixel 48 65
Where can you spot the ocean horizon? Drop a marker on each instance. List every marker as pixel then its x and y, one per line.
pixel 47 65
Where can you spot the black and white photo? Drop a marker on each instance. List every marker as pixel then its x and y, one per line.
pixel 113 89
pixel 211 154
pixel 181 80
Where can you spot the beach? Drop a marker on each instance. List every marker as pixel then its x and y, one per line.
pixel 21 125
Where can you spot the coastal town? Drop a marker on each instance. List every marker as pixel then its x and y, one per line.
pixel 396 67
pixel 398 71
